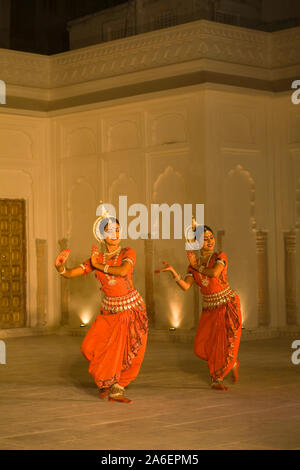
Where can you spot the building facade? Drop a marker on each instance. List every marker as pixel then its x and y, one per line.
pixel 141 16
pixel 196 113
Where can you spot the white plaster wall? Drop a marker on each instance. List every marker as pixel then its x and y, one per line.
pixel 236 151
pixel 233 148
pixel 241 201
pixel 286 139
pixel 212 146
pixel 24 175
pixel 145 152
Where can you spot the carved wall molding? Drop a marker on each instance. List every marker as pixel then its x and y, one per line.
pixel 285 47
pixel 196 40
pixel 25 69
pixel 172 46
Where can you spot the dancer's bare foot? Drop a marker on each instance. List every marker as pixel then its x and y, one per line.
pixel 119 397
pixel 218 386
pixel 235 372
pixel 103 393
pixel 117 394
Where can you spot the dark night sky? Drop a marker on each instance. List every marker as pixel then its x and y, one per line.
pixel 41 25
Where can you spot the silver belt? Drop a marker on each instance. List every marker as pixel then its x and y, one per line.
pixel 125 302
pixel 218 298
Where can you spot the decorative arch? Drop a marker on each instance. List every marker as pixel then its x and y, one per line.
pixel 15 144
pixel 170 178
pixel 169 128
pixel 239 170
pixel 81 142
pixel 123 135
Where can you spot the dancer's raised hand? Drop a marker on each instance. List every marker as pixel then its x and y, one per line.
pixel 167 267
pixel 95 255
pixel 62 258
pixel 183 284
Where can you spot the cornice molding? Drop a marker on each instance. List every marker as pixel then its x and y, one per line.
pixel 25 69
pixel 198 46
pixel 192 41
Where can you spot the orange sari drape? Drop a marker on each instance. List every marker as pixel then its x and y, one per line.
pixel 218 337
pixel 218 334
pixel 116 342
pixel 115 347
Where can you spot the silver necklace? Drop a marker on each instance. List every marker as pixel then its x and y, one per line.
pixel 111 278
pixel 205 280
pixel 112 252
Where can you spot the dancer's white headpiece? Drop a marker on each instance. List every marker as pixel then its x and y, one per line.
pixel 104 214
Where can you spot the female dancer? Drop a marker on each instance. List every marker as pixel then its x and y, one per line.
pixel 218 334
pixel 116 342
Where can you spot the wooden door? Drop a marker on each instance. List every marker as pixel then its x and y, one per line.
pixel 12 263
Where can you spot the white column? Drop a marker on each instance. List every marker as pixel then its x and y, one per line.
pixel 42 282
pixel 149 280
pixel 290 277
pixel 64 296
pixel 262 279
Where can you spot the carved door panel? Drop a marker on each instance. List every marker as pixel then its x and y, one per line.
pixel 12 263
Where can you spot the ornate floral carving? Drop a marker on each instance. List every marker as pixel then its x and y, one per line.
pixel 188 42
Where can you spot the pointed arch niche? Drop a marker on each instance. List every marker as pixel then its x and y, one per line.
pixel 246 248
pixel 83 298
pixel 174 309
pixel 126 185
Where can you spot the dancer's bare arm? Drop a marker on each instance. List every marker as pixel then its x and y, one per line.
pixel 185 283
pixel 121 270
pixel 61 268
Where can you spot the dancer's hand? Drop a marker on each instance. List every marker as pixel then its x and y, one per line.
pixel 192 259
pixel 62 258
pixel 95 255
pixel 167 267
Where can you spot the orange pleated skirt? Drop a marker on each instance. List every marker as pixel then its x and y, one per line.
pixel 218 337
pixel 115 346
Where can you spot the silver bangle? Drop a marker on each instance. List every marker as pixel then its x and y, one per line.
pixel 62 272
pixel 106 268
pixel 177 278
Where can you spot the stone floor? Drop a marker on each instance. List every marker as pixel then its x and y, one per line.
pixel 49 401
